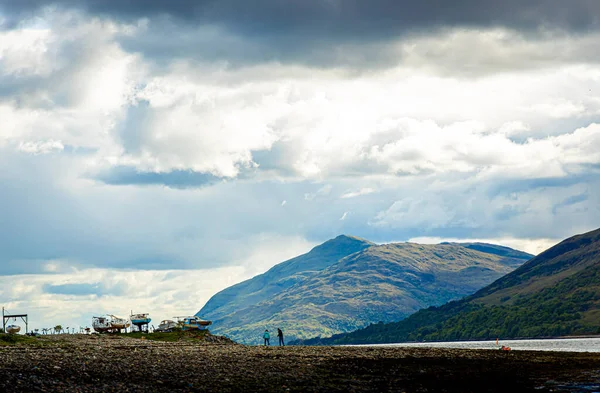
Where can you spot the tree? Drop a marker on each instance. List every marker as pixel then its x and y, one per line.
pixel 57 329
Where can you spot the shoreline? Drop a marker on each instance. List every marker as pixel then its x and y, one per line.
pixel 480 341
pixel 105 363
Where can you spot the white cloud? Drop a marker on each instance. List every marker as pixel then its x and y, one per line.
pixel 70 82
pixel 321 192
pixel 532 246
pixel 41 147
pixel 326 129
pixel 514 128
pixel 474 51
pixel 362 191
pixel 343 217
pixel 23 51
pixel 206 117
pixel 427 212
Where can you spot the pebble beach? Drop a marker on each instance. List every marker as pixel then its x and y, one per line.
pixel 106 363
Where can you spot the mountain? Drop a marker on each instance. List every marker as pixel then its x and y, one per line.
pixel 280 277
pixel 347 283
pixel 554 294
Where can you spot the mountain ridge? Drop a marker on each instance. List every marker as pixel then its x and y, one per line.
pixel 556 293
pixel 369 282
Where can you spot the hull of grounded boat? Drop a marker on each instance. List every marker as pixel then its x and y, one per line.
pixel 13 329
pixel 109 323
pixel 102 324
pixel 140 319
pixel 166 326
pixel 195 323
pixel 120 323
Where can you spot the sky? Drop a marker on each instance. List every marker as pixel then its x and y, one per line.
pixel 155 152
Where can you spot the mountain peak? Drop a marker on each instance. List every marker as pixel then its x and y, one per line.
pixel 344 237
pixel 281 276
pixel 343 243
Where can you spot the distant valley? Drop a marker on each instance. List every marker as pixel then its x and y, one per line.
pixel 347 283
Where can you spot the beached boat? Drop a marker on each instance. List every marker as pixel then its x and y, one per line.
pixel 120 323
pixel 195 323
pixel 140 319
pixel 13 329
pixel 166 326
pixel 109 323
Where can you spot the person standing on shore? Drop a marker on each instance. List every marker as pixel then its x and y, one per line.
pixel 267 336
pixel 280 335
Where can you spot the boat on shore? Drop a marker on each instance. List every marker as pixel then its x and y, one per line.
pixel 166 325
pixel 13 329
pixel 109 324
pixel 140 320
pixel 195 323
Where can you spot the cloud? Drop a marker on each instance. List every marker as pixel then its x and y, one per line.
pixel 56 217
pixel 347 18
pixel 471 53
pixel 41 147
pixel 188 120
pixel 454 209
pixel 72 298
pixel 121 175
pixel 362 191
pixel 324 190
pixel 148 148
pixel 498 37
pixel 462 51
pixel 81 289
pixel 175 127
pixel 532 246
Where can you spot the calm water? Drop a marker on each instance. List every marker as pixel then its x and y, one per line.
pixel 563 345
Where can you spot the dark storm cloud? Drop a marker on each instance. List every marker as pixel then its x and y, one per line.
pixel 343 18
pixel 360 35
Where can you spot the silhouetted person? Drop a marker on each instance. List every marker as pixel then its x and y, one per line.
pixel 267 336
pixel 280 335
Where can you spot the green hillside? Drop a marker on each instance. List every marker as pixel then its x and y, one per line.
pixel 379 283
pixel 556 293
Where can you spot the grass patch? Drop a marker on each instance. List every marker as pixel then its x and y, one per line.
pixel 12 339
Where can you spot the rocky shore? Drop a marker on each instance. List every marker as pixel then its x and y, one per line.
pixel 79 363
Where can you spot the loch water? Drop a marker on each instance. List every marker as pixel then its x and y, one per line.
pixel 561 344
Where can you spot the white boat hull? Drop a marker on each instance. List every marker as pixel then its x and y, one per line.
pixel 109 323
pixel 13 329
